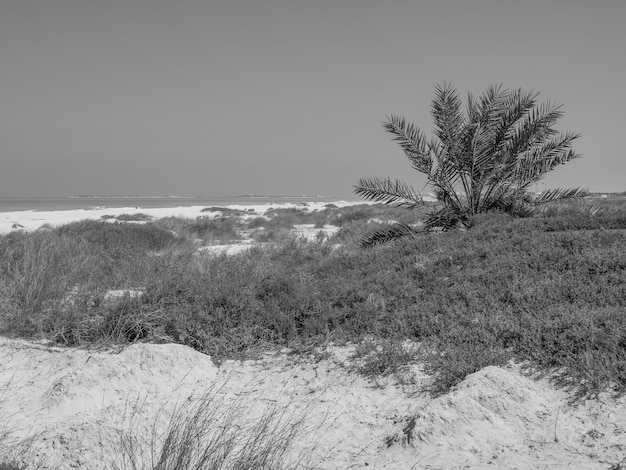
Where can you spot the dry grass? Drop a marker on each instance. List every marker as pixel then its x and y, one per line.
pixel 209 433
pixel 13 451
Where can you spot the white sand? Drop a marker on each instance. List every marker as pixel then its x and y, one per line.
pixel 32 220
pixel 75 401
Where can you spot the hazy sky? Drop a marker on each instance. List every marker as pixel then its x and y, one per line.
pixel 226 97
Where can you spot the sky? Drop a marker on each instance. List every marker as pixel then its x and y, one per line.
pixel 284 97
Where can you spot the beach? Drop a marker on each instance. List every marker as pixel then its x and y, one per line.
pixel 30 220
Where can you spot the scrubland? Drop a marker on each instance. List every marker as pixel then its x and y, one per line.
pixel 548 292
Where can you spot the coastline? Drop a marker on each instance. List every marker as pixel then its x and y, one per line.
pixel 54 203
pixel 30 220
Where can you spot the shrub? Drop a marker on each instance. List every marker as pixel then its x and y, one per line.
pixel 221 229
pixel 138 217
pixel 207 229
pixel 381 358
pixel 271 234
pixel 225 211
pixel 286 218
pixel 257 222
pixel 51 282
pixel 118 239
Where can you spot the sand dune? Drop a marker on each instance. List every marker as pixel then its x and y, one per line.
pixel 75 402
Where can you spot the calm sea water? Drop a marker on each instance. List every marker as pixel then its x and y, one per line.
pixel 8 204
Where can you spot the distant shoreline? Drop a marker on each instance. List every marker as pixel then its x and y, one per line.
pixel 90 202
pixel 30 219
pixel 110 196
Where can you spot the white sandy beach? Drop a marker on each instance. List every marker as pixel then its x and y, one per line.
pixel 32 220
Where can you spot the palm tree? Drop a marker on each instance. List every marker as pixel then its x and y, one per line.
pixel 486 158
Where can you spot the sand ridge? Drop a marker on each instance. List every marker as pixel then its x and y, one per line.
pixel 74 402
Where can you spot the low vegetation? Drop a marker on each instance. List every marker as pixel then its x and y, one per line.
pixel 138 217
pixel 546 290
pixel 225 211
pixel 205 230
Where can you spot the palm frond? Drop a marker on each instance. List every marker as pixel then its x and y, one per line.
pixel 446 171
pixel 388 234
pixel 532 128
pixel 491 105
pixel 516 107
pixel 388 191
pixel 447 116
pixel 559 194
pixel 545 157
pixel 471 110
pixel 487 119
pixel 453 129
pixel 444 219
pixel 412 140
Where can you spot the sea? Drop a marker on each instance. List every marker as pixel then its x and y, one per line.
pixel 10 204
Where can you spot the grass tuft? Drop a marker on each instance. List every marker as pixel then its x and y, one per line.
pixel 210 433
